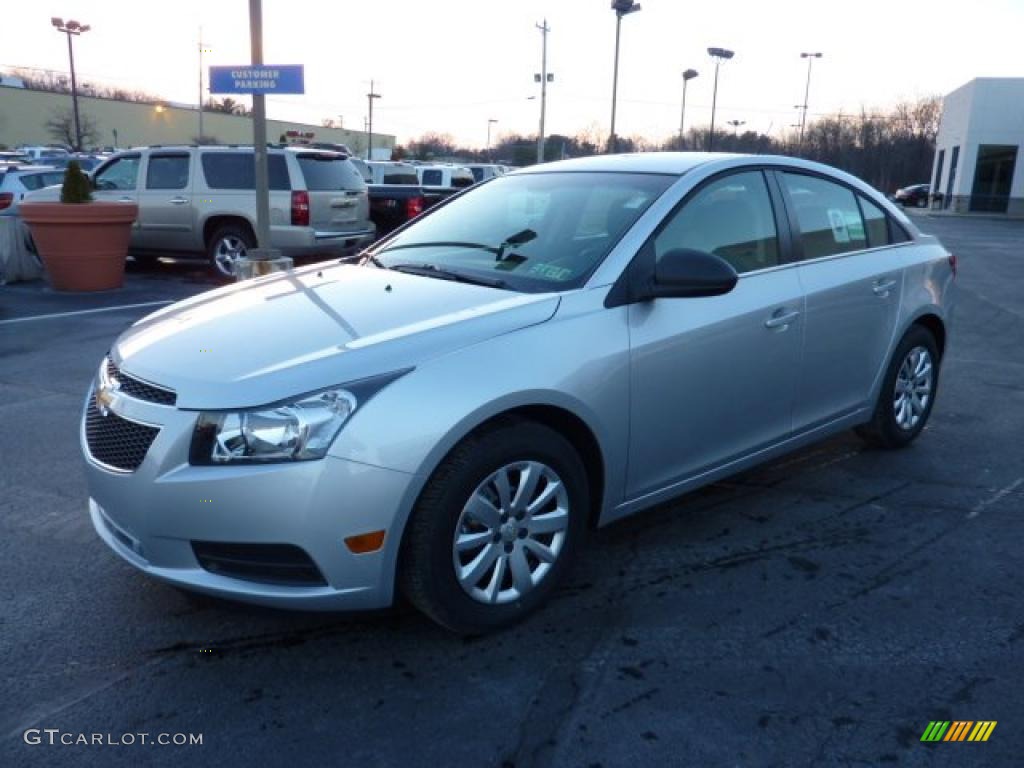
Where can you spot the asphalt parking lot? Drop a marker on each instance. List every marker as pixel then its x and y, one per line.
pixel 820 610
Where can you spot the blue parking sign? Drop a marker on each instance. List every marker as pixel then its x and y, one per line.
pixel 266 78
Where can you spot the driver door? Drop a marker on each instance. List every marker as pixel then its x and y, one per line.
pixel 714 379
pixel 118 181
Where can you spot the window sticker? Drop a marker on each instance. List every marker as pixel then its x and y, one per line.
pixel 550 272
pixel 837 219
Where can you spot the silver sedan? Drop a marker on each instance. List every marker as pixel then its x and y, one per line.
pixel 551 350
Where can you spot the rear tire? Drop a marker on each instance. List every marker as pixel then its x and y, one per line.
pixel 908 392
pixel 481 552
pixel 229 243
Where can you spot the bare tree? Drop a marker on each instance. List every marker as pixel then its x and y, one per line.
pixel 62 128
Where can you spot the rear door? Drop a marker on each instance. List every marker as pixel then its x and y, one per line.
pixel 338 198
pixel 166 210
pixel 853 285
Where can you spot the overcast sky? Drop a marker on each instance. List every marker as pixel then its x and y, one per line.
pixel 449 66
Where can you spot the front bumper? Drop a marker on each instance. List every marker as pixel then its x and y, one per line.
pixel 152 516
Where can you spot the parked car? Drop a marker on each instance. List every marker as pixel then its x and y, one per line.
pixel 201 200
pixel 16 181
pixel 44 155
pixel 915 195
pixel 555 349
pixel 396 196
pixel 16 158
pixel 392 172
pixel 445 176
pixel 485 171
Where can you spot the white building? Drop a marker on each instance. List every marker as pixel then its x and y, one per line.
pixel 976 153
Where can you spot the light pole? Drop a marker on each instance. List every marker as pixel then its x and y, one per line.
pixel 544 79
pixel 201 52
pixel 719 55
pixel 621 8
pixel 688 75
pixel 807 90
pixel 369 123
pixel 490 121
pixel 72 28
pixel 735 125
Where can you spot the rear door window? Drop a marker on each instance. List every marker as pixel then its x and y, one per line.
pixel 33 181
pixel 876 224
pixel 237 170
pixel 828 216
pixel 400 177
pixel 433 178
pixel 325 173
pixel 167 171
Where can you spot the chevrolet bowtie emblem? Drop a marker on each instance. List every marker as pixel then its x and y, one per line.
pixel 105 396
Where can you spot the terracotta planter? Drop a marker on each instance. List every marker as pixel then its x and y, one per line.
pixel 83 246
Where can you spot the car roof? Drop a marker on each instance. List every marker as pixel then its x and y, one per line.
pixel 674 163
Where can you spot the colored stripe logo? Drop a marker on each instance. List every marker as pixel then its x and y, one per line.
pixel 958 730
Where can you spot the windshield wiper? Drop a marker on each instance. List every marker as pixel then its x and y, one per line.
pixel 441 244
pixel 432 270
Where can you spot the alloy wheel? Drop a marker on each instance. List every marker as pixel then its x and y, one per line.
pixel 913 389
pixel 228 251
pixel 510 532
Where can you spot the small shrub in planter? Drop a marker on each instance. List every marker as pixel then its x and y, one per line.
pixel 82 242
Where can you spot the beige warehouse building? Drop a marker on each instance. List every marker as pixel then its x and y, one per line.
pixel 25 113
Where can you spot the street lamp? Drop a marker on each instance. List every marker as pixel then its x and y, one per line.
pixel 621 8
pixel 807 90
pixel 369 123
pixel 490 121
pixel 688 75
pixel 719 55
pixel 735 125
pixel 72 28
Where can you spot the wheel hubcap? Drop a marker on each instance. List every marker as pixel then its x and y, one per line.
pixel 228 251
pixel 913 389
pixel 510 532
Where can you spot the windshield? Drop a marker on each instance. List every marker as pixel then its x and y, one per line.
pixel 535 232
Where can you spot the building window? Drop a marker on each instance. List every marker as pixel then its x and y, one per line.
pixel 937 186
pixel 993 175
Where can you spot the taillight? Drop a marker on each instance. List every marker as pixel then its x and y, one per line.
pixel 6 198
pixel 300 209
pixel 413 207
pixel 952 263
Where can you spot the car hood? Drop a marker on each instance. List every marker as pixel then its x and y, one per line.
pixel 290 333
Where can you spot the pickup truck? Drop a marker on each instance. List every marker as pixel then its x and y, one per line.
pixel 396 195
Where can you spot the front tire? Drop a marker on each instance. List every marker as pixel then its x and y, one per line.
pixel 496 528
pixel 908 392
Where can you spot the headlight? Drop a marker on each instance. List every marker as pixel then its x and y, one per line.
pixel 298 430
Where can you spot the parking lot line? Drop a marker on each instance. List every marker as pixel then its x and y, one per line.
pixel 85 311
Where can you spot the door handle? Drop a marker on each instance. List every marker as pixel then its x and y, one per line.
pixel 125 199
pixel 882 287
pixel 782 320
pixel 178 200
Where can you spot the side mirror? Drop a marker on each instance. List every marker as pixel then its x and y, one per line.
pixel 687 273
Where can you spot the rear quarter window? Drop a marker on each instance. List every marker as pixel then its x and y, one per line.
pixel 329 173
pixel 237 170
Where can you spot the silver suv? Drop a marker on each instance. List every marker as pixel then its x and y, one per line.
pixel 202 200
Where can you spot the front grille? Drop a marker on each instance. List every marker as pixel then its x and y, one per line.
pixel 140 390
pixel 265 563
pixel 114 441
